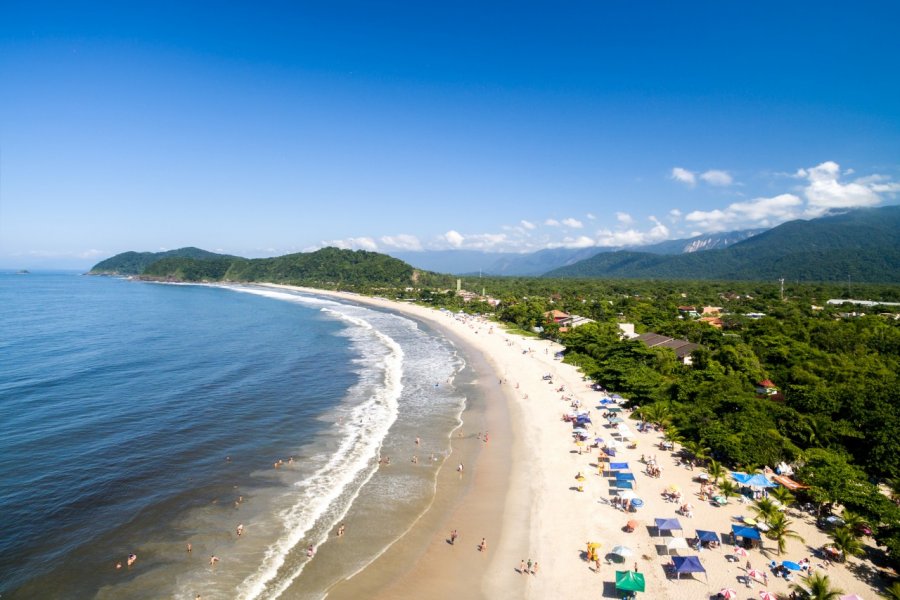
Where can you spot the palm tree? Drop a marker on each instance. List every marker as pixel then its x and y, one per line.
pixel 783 495
pixel 854 522
pixel 696 450
pixel 893 592
pixel 729 489
pixel 844 540
pixel 765 509
pixel 780 531
pixel 656 413
pixel 715 470
pixel 819 588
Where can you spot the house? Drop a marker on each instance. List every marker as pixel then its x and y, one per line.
pixel 627 330
pixel 766 388
pixel 714 321
pixel 557 316
pixel 682 348
pixel 711 311
pixel 688 311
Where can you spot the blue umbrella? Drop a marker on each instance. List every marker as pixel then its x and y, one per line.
pixel 791 565
pixel 637 502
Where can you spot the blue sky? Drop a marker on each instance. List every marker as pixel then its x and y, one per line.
pixel 282 127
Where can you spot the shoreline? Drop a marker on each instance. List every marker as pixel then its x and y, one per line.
pixel 523 488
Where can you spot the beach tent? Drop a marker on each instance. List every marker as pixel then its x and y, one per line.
pixel 629 581
pixel 667 525
pixel 788 564
pixel 624 485
pixel 707 536
pixel 583 419
pixel 616 420
pixel 748 533
pixel 755 480
pixel 613 409
pixel 618 466
pixel 687 564
pixel 676 543
pixel 624 431
pixel 624 476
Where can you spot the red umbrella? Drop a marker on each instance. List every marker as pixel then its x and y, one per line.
pixel 728 593
pixel 755 574
pixel 738 551
pixel 767 595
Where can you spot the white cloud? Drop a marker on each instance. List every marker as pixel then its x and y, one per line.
pixel 824 191
pixel 454 238
pixel 353 243
pixel 573 223
pixel 527 224
pixel 624 218
pixel 674 215
pixel 590 216
pixel 684 176
pixel 402 241
pixel 759 212
pixel 552 223
pixel 717 178
pixel 633 237
pixel 581 241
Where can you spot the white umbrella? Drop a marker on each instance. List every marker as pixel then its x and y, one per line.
pixel 613 445
pixel 627 494
pixel 623 551
pixel 677 543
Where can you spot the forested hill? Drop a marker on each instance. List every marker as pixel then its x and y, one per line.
pixel 328 266
pixel 862 244
pixel 134 263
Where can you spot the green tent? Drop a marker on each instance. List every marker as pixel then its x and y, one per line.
pixel 629 581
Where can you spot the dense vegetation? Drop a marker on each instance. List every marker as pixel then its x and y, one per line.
pixel 134 263
pixel 328 267
pixel 863 245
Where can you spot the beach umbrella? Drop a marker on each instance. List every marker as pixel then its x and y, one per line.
pixel 633 523
pixel 627 494
pixel 613 445
pixel 676 543
pixel 673 489
pixel 637 502
pixel 787 564
pixel 617 420
pixel 756 574
pixel 623 551
pixel 767 595
pixel 728 593
pixel 629 581
pixel 738 551
pixel 598 440
pixel 720 500
pixel 851 597
pixel 579 430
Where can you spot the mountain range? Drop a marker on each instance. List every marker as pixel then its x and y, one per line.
pixel 464 262
pixel 862 244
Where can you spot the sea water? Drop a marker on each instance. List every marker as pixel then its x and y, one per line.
pixel 140 418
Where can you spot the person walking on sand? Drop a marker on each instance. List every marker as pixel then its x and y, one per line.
pixel 529 565
pixel 340 530
pixel 453 535
pixel 213 559
pixel 240 529
pixel 482 546
pixel 522 566
pixel 534 569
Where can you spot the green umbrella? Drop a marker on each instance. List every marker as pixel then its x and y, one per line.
pixel 629 581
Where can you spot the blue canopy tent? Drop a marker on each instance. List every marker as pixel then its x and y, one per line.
pixel 667 525
pixel 707 536
pixel 614 409
pixel 755 480
pixel 624 485
pixel 624 476
pixel 583 419
pixel 618 466
pixel 747 533
pixel 688 564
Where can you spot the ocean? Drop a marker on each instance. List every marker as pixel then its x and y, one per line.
pixel 138 418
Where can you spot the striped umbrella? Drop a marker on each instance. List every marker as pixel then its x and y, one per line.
pixel 728 593
pixel 767 595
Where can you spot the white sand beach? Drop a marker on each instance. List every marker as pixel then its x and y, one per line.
pixel 520 493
